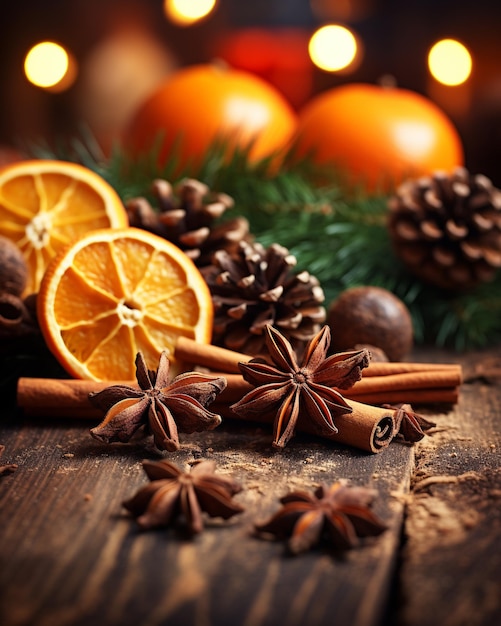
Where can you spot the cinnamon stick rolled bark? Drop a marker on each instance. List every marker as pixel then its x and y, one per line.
pixel 381 381
pixel 224 360
pixel 368 428
pixel 444 395
pixel 437 379
pixel 379 368
pixel 213 357
pixel 441 387
pixel 53 397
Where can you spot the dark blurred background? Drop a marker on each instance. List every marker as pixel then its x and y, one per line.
pixel 122 48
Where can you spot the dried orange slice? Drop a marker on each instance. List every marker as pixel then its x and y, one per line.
pixel 46 204
pixel 116 292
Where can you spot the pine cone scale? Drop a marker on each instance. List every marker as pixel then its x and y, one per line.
pixel 455 230
pixel 431 231
pixel 447 228
pixel 471 251
pixel 444 257
pixel 186 215
pixel 194 238
pixel 275 296
pixel 493 258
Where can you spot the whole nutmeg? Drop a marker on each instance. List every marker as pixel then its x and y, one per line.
pixel 374 316
pixel 13 268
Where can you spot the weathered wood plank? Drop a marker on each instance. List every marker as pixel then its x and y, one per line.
pixel 451 561
pixel 69 553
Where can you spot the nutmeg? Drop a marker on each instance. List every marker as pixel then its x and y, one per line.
pixel 13 268
pixel 371 315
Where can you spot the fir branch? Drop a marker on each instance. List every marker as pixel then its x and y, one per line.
pixel 341 239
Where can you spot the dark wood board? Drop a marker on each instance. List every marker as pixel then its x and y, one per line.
pixel 70 554
pixel 450 570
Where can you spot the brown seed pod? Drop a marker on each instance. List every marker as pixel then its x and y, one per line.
pixel 13 268
pixel 374 316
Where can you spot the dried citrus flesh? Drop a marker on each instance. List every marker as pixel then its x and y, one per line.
pixel 44 205
pixel 116 292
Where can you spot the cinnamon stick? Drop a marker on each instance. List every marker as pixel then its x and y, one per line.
pixel 368 428
pixel 440 387
pixel 382 382
pixel 380 368
pixel 54 397
pixel 224 360
pixel 206 355
pixel 437 379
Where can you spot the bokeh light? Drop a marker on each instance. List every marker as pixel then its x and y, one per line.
pixel 333 47
pixel 116 76
pixel 187 12
pixel 49 66
pixel 450 62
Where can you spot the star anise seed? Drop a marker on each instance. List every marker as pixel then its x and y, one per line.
pixel 162 407
pixel 173 493
pixel 339 513
pixel 300 392
pixel 409 425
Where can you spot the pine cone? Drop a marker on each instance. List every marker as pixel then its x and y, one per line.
pixel 186 216
pixel 257 286
pixel 447 229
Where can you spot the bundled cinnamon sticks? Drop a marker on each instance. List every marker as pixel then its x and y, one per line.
pixel 370 425
pixel 366 428
pixel 382 383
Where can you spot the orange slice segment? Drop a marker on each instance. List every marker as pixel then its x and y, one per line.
pixel 116 292
pixel 44 205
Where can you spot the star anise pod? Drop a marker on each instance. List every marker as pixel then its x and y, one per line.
pixel 8 468
pixel 173 493
pixel 339 512
pixel 408 424
pixel 162 407
pixel 300 392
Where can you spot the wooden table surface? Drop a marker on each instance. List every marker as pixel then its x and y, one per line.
pixel 71 555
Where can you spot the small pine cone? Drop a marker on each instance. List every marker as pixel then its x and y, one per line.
pixel 186 216
pixel 447 229
pixel 257 286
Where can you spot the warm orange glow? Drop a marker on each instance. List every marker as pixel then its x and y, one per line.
pixel 332 47
pixel 200 105
pixel 49 66
pixel 450 62
pixel 187 12
pixel 377 136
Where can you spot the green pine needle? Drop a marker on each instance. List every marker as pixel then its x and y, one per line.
pixel 341 239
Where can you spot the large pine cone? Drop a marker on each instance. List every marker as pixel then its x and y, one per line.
pixel 257 286
pixel 186 216
pixel 447 229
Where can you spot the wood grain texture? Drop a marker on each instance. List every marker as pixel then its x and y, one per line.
pixel 70 554
pixel 451 561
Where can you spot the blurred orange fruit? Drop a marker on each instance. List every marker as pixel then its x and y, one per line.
pixel 116 292
pixel 377 135
pixel 202 104
pixel 46 204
